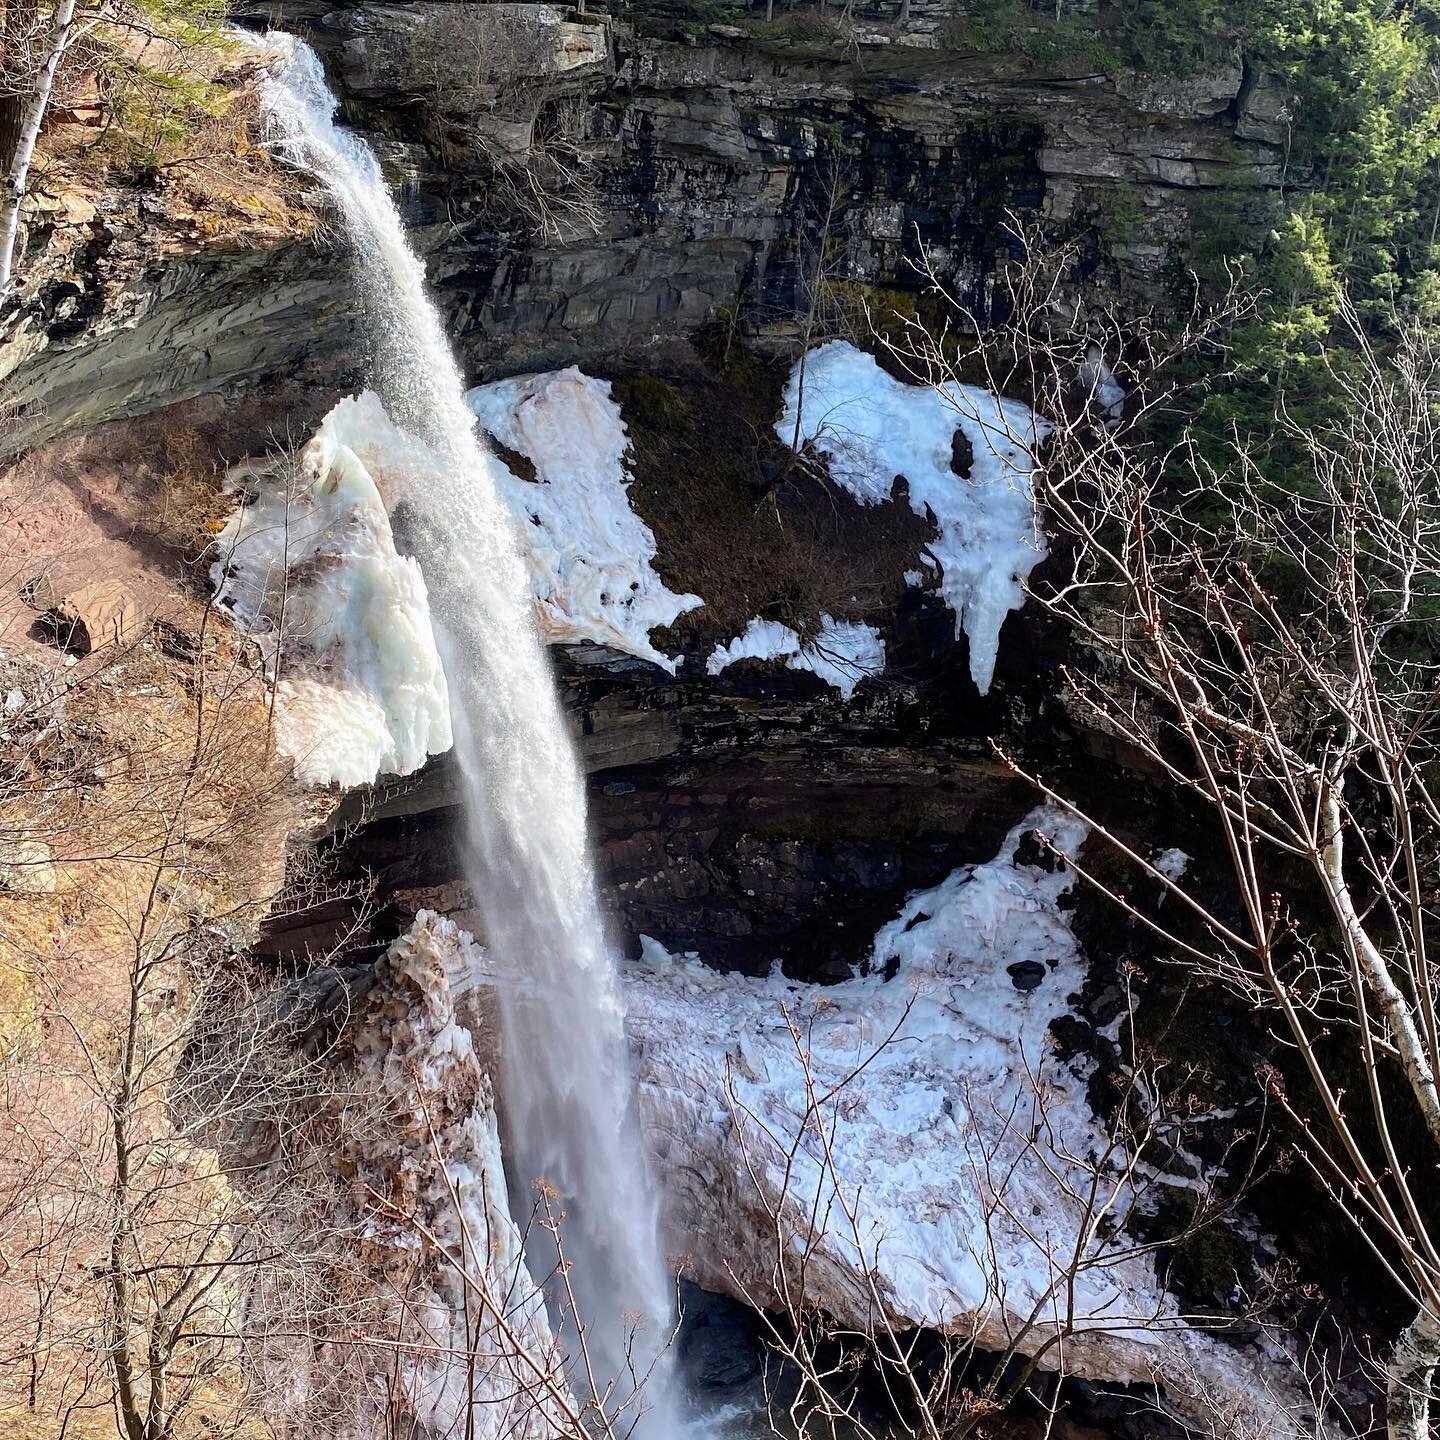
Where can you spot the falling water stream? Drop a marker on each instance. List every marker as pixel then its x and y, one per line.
pixel 564 1080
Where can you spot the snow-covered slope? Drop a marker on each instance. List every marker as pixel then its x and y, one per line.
pixel 589 553
pixel 948 1155
pixel 307 563
pixel 871 427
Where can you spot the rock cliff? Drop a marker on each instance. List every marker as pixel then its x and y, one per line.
pixel 718 163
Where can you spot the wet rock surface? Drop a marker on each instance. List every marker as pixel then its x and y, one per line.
pixel 755 821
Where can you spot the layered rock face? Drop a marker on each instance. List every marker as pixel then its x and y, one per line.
pixel 721 156
pixel 754 819
pixel 715 167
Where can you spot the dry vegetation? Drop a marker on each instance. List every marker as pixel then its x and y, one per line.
pixel 168 138
pixel 738 525
pixel 212 170
pixel 144 823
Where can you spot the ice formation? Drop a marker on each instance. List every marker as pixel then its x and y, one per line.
pixel 842 654
pixel 872 428
pixel 589 553
pixel 409 1140
pixel 953 1126
pixel 1172 864
pixel 307 564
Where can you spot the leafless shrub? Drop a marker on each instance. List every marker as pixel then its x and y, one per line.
pixel 1268 645
pixel 492 78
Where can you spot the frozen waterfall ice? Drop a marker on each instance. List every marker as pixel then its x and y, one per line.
pixel 564 1083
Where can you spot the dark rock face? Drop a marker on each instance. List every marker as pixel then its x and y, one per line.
pixel 755 820
pixel 719 1345
pixel 163 333
pixel 717 158
pixel 715 163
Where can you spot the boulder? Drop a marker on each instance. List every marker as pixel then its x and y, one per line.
pixel 93 616
pixel 26 868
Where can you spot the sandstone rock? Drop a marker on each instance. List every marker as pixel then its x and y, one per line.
pixel 26 869
pixel 103 613
pixel 39 593
pixel 1194 96
pixel 76 209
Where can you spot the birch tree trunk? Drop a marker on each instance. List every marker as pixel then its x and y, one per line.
pixel 16 17
pixel 32 114
pixel 1410 1379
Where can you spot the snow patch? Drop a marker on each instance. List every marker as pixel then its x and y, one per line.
pixel 589 553
pixel 872 428
pixel 307 564
pixel 1102 387
pixel 843 653
pixel 760 640
pixel 1172 864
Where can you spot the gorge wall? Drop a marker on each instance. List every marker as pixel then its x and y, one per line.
pixel 709 151
pixel 751 816
pixel 712 155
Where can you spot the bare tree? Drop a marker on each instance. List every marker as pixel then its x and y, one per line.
pixel 821 314
pixel 146 834
pixel 1267 644
pixel 34 48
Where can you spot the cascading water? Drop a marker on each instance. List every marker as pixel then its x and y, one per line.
pixel 564 1081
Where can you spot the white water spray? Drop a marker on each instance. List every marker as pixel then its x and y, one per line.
pixel 564 1082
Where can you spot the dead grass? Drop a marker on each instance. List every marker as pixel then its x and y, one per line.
pixel 706 460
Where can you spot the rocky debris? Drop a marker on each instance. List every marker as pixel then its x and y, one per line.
pixel 68 207
pixel 407 1139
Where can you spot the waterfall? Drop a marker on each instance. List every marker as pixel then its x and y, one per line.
pixel 564 1081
